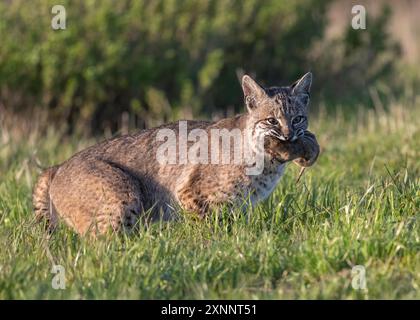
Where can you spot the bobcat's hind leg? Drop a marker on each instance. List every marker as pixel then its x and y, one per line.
pixel 96 197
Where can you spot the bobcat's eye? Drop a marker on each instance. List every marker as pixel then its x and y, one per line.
pixel 298 119
pixel 272 121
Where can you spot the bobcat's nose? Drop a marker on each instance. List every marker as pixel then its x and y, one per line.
pixel 288 136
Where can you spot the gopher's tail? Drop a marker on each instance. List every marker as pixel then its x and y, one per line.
pixel 41 198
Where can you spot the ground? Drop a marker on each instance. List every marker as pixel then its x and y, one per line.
pixel 358 206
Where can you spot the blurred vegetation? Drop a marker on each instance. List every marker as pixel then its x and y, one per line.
pixel 165 59
pixel 361 61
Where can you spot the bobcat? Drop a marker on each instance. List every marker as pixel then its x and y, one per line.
pixel 112 185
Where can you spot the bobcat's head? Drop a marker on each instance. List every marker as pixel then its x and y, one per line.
pixel 280 112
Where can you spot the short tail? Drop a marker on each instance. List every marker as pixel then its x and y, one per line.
pixel 41 198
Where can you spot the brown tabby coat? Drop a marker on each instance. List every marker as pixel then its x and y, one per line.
pixel 116 183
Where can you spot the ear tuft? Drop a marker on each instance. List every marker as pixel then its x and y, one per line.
pixel 303 85
pixel 252 91
pixel 250 87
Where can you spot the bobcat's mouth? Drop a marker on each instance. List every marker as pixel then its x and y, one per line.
pixel 290 138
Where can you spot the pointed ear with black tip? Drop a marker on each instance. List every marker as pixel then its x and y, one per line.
pixel 302 87
pixel 252 92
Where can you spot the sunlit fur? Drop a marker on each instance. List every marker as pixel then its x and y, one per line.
pixel 280 112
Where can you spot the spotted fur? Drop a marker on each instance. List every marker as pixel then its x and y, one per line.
pixel 119 184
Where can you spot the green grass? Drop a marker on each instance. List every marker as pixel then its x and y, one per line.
pixel 359 205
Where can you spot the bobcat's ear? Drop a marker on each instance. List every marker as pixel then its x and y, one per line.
pixel 252 92
pixel 302 87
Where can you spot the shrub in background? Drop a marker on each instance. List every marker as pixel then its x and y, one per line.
pixel 157 60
